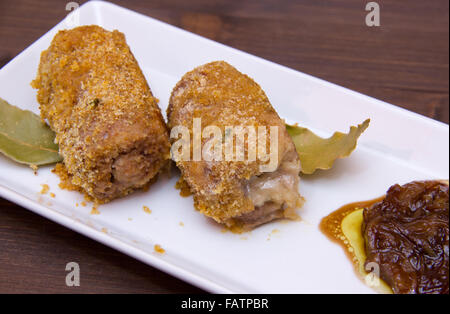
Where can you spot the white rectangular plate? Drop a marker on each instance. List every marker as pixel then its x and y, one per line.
pixel 399 146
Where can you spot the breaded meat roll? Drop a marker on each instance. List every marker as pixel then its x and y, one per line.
pixel 239 193
pixel 110 131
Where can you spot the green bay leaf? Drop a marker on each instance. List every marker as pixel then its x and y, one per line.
pixel 319 153
pixel 25 138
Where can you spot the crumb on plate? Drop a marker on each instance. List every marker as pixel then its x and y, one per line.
pixel 45 188
pixel 95 211
pixel 159 249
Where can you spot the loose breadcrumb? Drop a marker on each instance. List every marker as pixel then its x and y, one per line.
pixel 95 211
pixel 183 187
pixel 159 249
pixel 45 188
pixel 35 169
pixel 146 209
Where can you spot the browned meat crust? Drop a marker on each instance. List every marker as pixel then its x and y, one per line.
pixel 227 190
pixel 109 128
pixel 407 235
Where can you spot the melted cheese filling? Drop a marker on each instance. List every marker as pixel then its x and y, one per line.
pixel 274 195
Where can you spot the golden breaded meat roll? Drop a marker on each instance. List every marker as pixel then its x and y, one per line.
pixel 239 193
pixel 110 131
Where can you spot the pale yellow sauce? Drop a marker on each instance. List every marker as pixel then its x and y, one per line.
pixel 344 227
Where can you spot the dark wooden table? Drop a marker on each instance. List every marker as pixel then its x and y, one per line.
pixel 404 62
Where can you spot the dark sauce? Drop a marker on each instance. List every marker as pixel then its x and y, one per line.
pixel 407 235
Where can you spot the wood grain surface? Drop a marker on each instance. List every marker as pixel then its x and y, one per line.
pixel 404 62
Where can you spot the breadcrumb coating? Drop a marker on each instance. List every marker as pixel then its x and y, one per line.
pixel 222 96
pixel 109 128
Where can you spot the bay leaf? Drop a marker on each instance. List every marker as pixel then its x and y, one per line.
pixel 25 138
pixel 319 153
